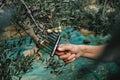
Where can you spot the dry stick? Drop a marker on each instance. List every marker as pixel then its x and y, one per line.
pixel 31 15
pixel 32 18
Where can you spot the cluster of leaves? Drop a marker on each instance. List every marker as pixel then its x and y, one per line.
pixel 54 13
pixel 12 63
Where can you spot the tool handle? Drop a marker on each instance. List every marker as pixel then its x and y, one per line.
pixel 56 45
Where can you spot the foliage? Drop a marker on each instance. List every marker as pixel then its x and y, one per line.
pixel 41 15
pixel 75 13
pixel 12 63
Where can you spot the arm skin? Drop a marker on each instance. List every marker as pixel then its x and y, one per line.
pixel 93 52
pixel 70 52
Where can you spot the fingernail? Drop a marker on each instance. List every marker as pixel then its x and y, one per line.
pixel 59 48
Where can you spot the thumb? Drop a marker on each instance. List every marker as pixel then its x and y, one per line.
pixel 64 47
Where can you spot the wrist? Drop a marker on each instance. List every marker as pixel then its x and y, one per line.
pixel 83 50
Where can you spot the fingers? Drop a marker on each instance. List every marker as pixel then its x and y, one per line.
pixel 65 56
pixel 64 47
pixel 70 60
pixel 59 53
pixel 66 52
pixel 71 57
pixel 68 57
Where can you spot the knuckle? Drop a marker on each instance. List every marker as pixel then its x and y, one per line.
pixel 61 45
pixel 60 57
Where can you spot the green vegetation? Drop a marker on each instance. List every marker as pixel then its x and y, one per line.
pixel 95 15
pixel 36 17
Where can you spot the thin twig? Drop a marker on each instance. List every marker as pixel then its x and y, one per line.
pixel 31 15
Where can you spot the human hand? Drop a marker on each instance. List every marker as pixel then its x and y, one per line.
pixel 69 52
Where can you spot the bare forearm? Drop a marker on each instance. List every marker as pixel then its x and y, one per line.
pixel 93 52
